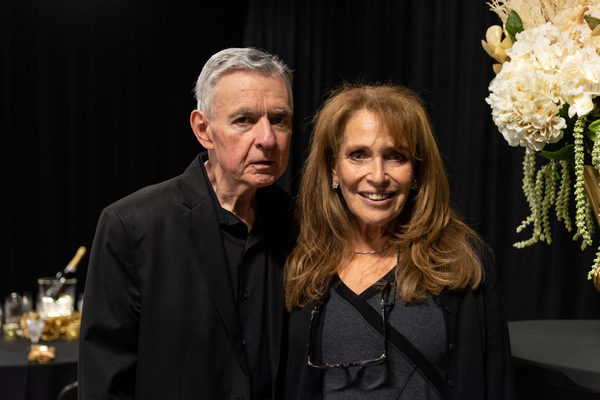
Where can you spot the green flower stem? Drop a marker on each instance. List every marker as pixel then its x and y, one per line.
pixel 589 218
pixel 596 154
pixel 580 198
pixel 549 177
pixel 564 192
pixel 531 194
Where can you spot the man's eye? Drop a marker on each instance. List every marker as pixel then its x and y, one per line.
pixel 242 120
pixel 279 120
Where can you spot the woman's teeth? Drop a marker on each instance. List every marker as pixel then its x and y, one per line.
pixel 377 196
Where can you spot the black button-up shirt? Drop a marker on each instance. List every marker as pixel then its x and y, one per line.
pixel 247 263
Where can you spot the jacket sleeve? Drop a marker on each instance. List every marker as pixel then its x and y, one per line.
pixel 498 362
pixel 301 382
pixel 109 329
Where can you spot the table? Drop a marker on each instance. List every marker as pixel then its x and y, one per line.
pixel 20 380
pixel 556 358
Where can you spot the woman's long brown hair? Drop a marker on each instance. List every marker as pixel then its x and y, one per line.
pixel 437 250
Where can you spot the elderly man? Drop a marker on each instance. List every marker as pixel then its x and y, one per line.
pixel 184 294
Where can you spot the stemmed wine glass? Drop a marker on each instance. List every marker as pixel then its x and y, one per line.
pixel 35 327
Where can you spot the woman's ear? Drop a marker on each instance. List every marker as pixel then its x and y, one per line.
pixel 335 181
pixel 199 123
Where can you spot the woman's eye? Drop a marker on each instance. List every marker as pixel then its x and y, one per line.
pixel 397 156
pixel 357 155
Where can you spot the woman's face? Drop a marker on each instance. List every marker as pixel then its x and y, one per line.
pixel 373 172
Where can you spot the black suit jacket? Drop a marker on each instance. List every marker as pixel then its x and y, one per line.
pixel 159 318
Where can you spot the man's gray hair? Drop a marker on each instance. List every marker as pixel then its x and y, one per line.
pixel 238 59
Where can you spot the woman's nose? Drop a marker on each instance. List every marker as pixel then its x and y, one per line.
pixel 377 172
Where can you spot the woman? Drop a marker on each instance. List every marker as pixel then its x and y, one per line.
pixel 379 246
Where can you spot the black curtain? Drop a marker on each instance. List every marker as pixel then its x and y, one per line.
pixel 95 98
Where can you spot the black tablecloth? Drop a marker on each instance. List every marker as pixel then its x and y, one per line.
pixel 557 358
pixel 20 380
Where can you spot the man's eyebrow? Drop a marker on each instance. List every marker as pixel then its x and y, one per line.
pixel 242 111
pixel 283 111
pixel 286 112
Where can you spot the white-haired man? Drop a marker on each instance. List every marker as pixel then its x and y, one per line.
pixel 184 293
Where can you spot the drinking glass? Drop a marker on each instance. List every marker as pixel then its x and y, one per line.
pixel 27 303
pixel 56 307
pixel 13 308
pixel 35 327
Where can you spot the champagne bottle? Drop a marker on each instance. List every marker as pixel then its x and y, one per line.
pixel 67 273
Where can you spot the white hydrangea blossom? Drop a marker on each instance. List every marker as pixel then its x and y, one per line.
pixel 580 75
pixel 570 21
pixel 546 70
pixel 525 108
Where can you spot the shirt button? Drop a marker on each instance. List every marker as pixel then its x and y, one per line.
pixel 447 309
pixel 243 341
pixel 245 295
pixel 452 346
pixel 450 384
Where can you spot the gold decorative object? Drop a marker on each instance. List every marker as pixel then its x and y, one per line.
pixel 41 354
pixel 72 331
pixel 58 328
pixel 592 189
pixel 10 332
pixel 596 280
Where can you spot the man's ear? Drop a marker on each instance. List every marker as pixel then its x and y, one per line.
pixel 199 123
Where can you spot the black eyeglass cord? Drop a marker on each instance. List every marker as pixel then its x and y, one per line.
pixel 386 303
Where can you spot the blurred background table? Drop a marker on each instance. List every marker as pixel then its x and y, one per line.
pixel 556 359
pixel 20 380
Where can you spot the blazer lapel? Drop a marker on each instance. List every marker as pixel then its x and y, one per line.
pixel 205 235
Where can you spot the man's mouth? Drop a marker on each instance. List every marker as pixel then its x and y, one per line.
pixel 264 162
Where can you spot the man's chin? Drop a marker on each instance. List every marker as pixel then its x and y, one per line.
pixel 262 180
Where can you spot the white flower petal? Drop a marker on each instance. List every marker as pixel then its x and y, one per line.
pixel 547 68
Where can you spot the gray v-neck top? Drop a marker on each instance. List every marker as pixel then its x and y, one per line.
pixel 347 336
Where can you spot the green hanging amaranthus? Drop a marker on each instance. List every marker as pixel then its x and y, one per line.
pixel 540 187
pixel 545 101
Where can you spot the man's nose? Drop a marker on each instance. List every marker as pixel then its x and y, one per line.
pixel 265 137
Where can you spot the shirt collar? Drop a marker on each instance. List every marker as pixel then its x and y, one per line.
pixel 228 220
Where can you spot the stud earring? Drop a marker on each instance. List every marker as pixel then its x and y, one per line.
pixel 335 185
pixel 414 185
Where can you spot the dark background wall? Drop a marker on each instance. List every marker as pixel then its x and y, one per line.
pixel 95 98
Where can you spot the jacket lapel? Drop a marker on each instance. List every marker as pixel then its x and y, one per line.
pixel 205 235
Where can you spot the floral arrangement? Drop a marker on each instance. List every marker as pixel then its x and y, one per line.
pixel 545 98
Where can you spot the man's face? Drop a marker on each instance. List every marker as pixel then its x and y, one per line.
pixel 250 130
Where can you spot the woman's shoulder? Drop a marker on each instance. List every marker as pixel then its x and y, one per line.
pixel 488 263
